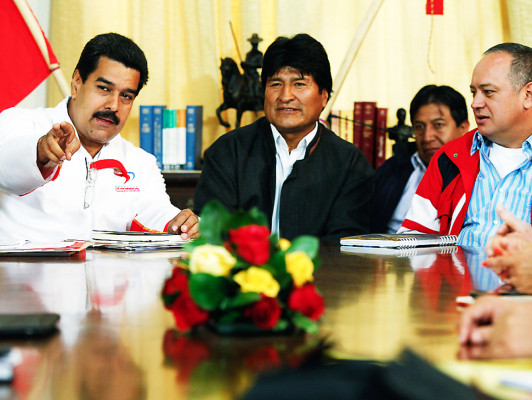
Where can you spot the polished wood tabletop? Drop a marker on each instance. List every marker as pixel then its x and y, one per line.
pixel 116 341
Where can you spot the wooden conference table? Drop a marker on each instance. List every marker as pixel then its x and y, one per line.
pixel 116 341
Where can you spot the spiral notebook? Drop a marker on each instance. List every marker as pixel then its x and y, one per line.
pixel 397 251
pixel 399 240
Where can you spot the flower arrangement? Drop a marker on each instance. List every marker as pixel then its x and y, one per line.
pixel 238 274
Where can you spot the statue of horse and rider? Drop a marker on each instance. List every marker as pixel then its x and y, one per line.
pixel 242 91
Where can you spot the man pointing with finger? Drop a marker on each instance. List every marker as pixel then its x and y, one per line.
pixel 66 171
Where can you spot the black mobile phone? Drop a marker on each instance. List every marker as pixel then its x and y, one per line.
pixel 28 325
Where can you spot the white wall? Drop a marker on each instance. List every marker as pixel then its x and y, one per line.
pixel 37 98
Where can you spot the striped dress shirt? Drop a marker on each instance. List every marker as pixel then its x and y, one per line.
pixel 512 191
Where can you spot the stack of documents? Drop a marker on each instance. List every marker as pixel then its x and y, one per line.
pixel 136 241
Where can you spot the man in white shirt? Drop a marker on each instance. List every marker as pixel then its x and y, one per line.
pixel 66 171
pixel 438 115
pixel 300 174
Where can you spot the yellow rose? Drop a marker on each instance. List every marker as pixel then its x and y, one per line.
pixel 284 244
pixel 300 266
pixel 214 260
pixel 257 280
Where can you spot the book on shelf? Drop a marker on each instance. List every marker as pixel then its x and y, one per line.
pixel 174 137
pixel 169 125
pixel 357 124
pixel 349 125
pixel 150 130
pixel 380 137
pixel 368 129
pixel 399 240
pixel 157 111
pixel 194 121
pixel 180 139
pixel 344 115
pixel 146 128
pixel 335 121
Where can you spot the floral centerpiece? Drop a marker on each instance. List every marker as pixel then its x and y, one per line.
pixel 240 277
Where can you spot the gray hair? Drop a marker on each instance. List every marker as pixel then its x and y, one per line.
pixel 521 68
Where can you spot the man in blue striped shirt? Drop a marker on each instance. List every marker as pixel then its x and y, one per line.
pixel 470 176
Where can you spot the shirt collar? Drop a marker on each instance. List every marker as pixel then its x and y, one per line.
pixel 479 141
pixel 279 139
pixel 527 145
pixel 417 162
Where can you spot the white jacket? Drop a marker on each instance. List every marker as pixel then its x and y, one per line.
pixel 42 210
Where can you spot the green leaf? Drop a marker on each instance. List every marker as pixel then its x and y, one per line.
pixel 317 263
pixel 207 290
pixel 190 246
pixel 282 324
pixel 229 317
pixel 240 300
pixel 285 280
pixel 213 222
pixel 305 323
pixel 278 263
pixel 243 218
pixel 258 216
pixel 308 244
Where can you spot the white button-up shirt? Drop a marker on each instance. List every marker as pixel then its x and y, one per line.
pixel 284 162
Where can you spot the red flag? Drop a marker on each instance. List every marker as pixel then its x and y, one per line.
pixel 22 65
pixel 434 7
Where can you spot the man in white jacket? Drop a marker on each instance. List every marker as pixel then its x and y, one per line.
pixel 66 171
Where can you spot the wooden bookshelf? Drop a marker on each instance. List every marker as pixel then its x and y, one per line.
pixel 180 186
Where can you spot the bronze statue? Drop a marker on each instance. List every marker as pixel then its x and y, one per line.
pixel 250 66
pixel 400 133
pixel 242 91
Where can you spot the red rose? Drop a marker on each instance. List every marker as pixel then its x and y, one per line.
pixel 252 243
pixel 265 313
pixel 307 301
pixel 175 285
pixel 187 314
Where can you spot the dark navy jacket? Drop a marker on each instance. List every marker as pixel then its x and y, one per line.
pixel 390 181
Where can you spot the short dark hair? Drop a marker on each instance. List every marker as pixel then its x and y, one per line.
pixel 446 95
pixel 116 47
pixel 521 69
pixel 302 52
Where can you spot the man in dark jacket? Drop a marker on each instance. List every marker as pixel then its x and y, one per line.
pixel 438 115
pixel 300 174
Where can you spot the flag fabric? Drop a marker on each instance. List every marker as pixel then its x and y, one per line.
pixel 22 65
pixel 434 7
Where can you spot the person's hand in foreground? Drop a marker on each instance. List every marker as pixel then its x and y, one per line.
pixel 186 223
pixel 512 235
pixel 494 327
pixel 58 145
pixel 514 269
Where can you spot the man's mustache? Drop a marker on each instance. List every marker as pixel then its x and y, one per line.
pixel 107 115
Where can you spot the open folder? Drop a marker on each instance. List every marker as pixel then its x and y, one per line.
pixel 30 249
pixel 399 240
